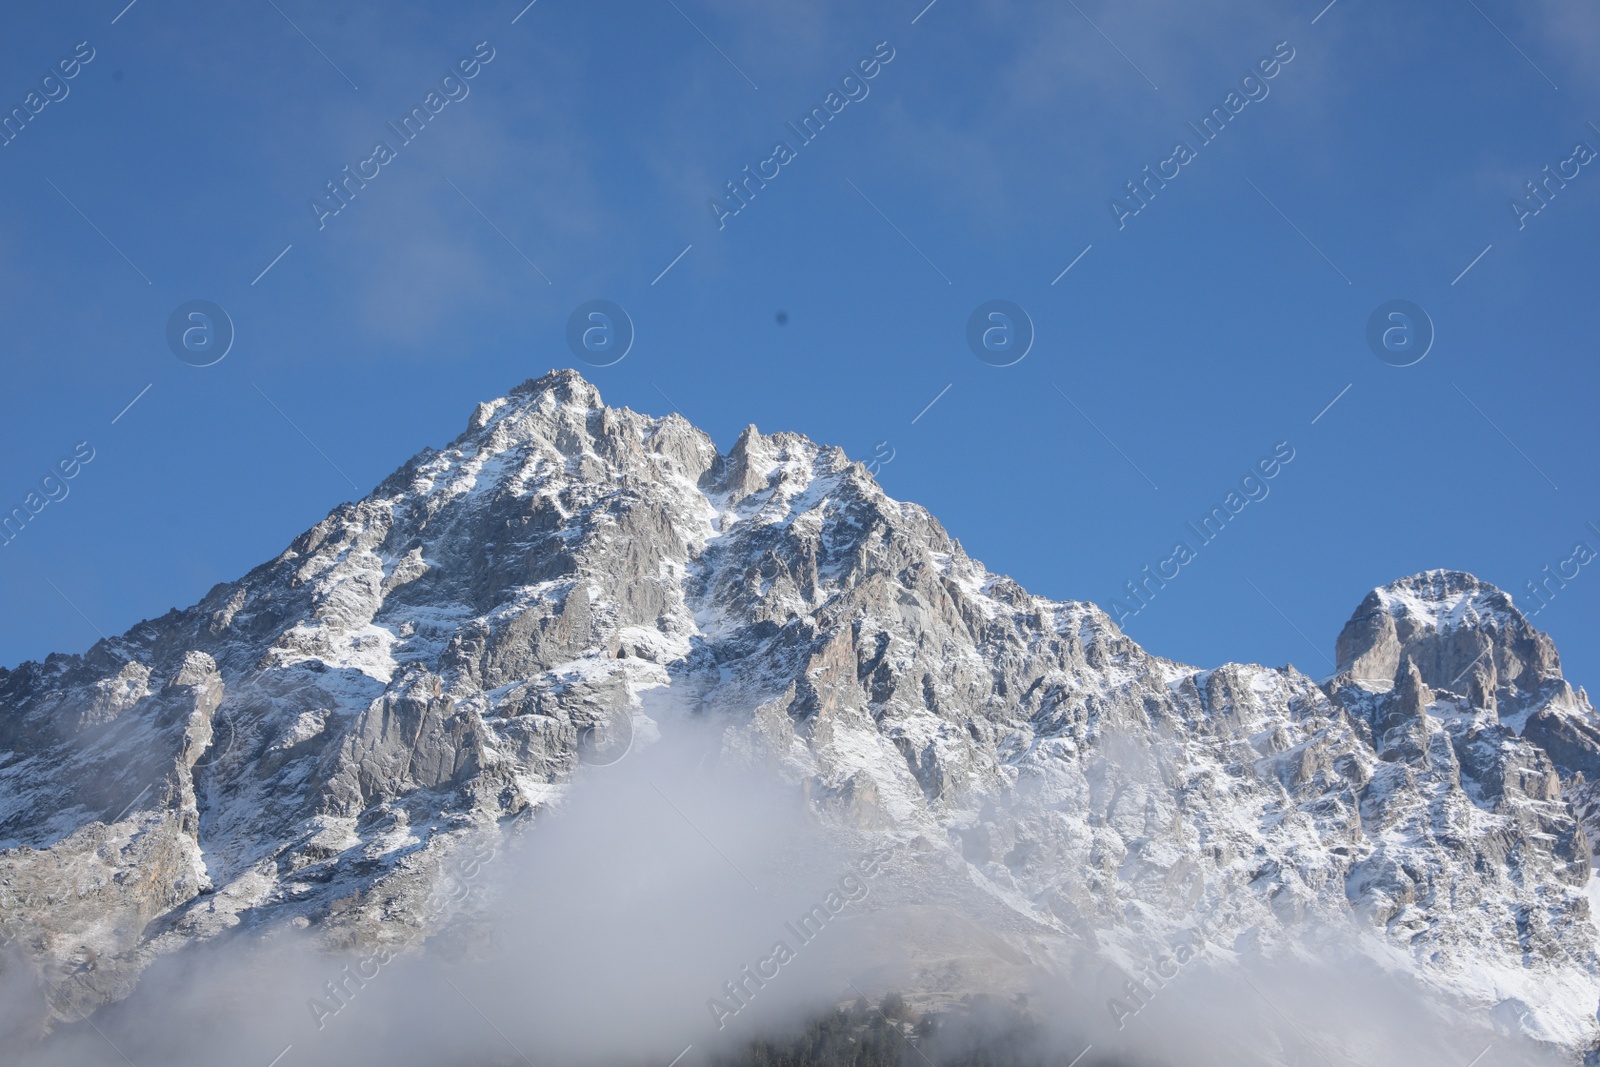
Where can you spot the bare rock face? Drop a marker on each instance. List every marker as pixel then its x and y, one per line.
pixel 1465 636
pixel 1461 641
pixel 307 743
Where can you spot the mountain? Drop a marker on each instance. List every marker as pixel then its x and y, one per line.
pixel 312 743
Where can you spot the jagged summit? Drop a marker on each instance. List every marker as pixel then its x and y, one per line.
pixel 1446 621
pixel 565 381
pixel 560 387
pixel 1465 637
pixel 310 743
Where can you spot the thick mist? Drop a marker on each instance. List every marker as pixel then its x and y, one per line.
pixel 681 901
pixel 636 918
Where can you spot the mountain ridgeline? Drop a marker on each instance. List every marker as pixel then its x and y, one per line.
pixel 313 744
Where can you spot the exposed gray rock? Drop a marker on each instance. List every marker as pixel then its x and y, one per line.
pixel 308 743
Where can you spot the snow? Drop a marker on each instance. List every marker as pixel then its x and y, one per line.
pixel 1206 820
pixel 1441 608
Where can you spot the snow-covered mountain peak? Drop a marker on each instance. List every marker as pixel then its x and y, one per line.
pixel 1468 642
pixel 1459 630
pixel 442 654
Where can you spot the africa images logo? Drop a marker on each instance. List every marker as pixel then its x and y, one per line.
pixel 1253 88
pixel 853 87
pixel 453 88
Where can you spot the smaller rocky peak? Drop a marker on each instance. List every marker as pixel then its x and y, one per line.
pixel 679 440
pixel 1464 635
pixel 747 466
pixel 1448 634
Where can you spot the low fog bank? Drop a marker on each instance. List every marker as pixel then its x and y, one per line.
pixel 679 906
pixel 634 919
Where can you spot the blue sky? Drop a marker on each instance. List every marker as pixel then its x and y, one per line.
pixel 1378 163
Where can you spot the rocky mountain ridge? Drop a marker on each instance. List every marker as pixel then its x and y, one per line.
pixel 309 744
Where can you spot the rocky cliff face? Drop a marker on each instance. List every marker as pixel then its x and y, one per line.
pixel 308 744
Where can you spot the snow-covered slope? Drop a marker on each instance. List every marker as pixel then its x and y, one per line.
pixel 310 742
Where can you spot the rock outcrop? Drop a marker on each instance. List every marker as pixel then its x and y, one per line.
pixel 306 743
